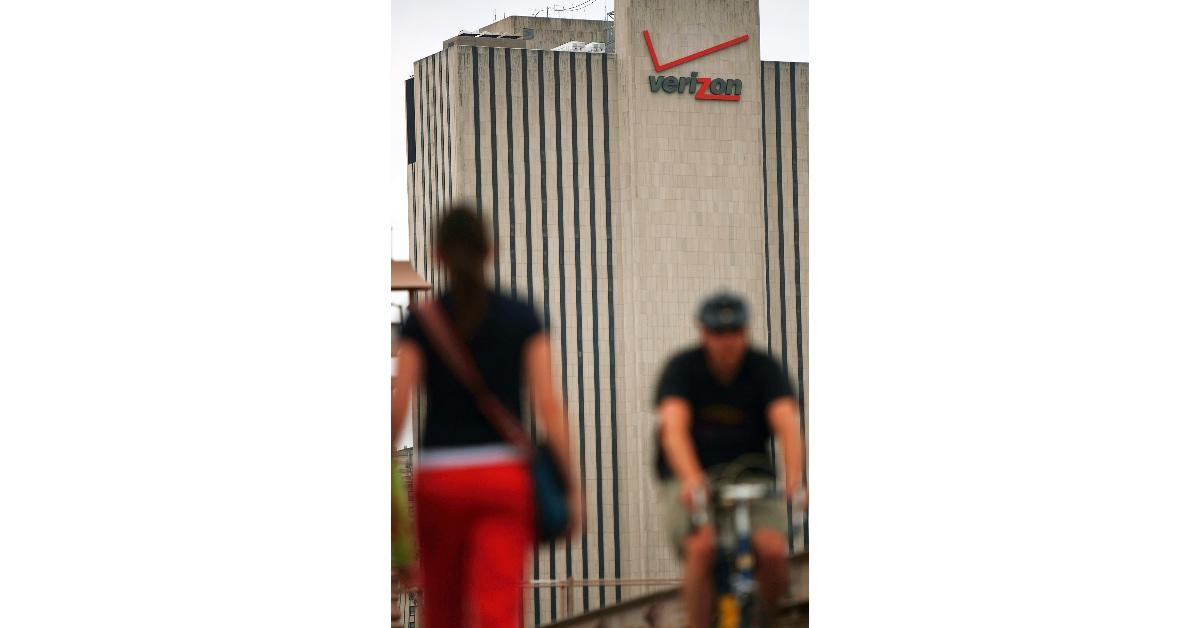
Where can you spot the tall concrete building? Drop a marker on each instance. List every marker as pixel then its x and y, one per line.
pixel 623 178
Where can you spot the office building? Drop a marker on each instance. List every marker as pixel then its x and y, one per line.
pixel 651 159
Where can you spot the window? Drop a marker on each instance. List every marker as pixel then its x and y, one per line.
pixel 410 136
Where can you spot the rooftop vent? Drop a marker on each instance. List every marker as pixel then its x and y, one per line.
pixel 579 46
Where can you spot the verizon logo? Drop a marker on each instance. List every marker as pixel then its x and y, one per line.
pixel 705 88
pixel 702 87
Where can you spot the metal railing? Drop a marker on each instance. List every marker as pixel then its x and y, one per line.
pixel 664 608
pixel 663 601
pixel 565 588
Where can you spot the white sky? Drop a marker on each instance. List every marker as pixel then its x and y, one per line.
pixel 419 28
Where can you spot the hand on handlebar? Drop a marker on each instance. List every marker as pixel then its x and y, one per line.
pixel 690 488
pixel 798 494
pixel 694 494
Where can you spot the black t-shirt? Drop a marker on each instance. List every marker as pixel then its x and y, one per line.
pixel 497 347
pixel 728 421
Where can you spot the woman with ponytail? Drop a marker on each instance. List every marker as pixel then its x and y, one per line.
pixel 474 495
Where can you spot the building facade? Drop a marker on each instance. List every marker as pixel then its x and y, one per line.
pixel 404 603
pixel 620 187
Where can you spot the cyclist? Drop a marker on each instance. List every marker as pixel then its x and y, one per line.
pixel 717 403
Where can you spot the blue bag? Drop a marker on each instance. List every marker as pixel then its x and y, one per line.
pixel 549 495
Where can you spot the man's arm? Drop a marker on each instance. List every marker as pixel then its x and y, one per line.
pixel 784 417
pixel 675 417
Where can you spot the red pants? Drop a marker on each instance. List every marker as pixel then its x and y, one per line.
pixel 474 530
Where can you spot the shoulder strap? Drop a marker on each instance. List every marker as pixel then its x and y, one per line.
pixel 454 353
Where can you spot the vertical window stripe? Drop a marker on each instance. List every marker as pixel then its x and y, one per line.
pixel 799 296
pixel 783 335
pixel 762 84
pixel 796 254
pixel 449 151
pixel 537 566
pixel 783 341
pixel 420 145
pixel 588 58
pixel 478 158
pixel 580 400
pixel 422 170
pixel 443 133
pixel 528 192
pixel 512 195
pixel 435 190
pixel 495 173
pixel 545 264
pixel 612 361
pixel 429 167
pixel 562 264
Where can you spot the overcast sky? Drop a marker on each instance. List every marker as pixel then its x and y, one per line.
pixel 419 28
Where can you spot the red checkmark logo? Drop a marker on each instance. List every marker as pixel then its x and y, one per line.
pixel 692 57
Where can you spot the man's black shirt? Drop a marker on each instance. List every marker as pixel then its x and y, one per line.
pixel 728 420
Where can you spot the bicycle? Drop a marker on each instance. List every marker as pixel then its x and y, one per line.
pixel 737 601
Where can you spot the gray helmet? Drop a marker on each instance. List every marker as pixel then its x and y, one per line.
pixel 723 311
